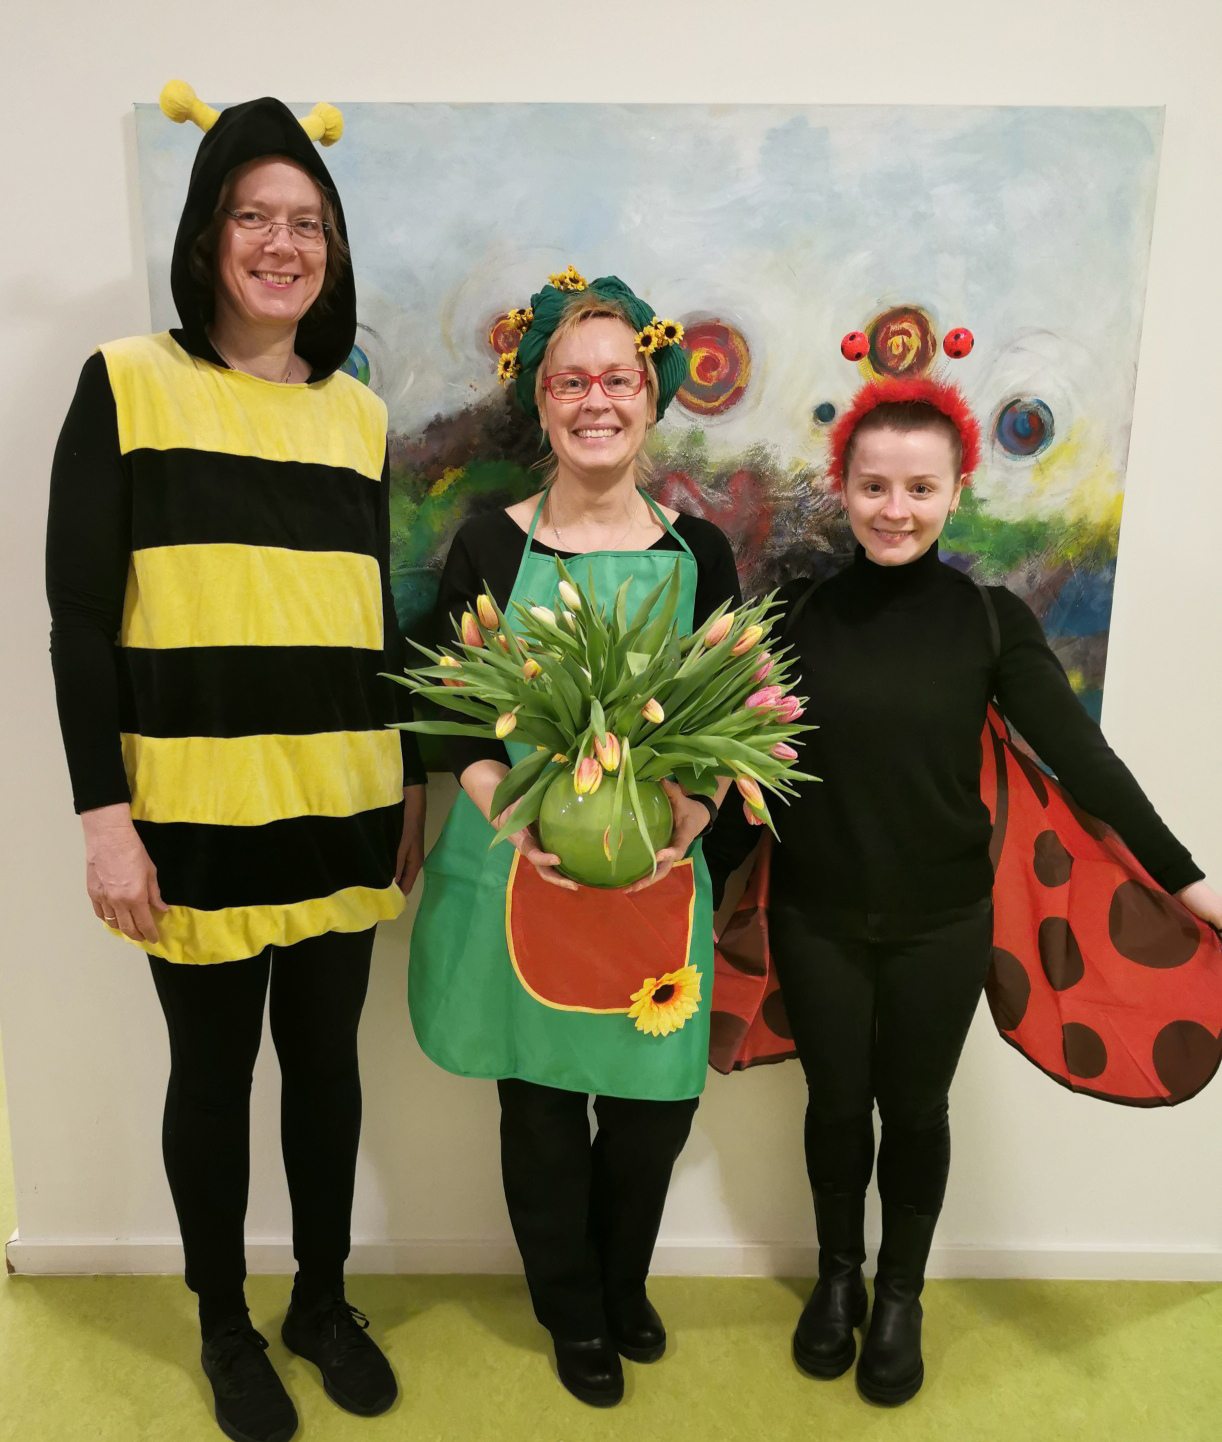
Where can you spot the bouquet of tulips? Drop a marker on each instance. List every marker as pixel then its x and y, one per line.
pixel 611 704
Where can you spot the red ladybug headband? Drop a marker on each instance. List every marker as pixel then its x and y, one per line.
pixel 920 390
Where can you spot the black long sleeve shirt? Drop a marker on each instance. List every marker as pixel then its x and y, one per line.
pixel 899 667
pixel 487 551
pixel 89 545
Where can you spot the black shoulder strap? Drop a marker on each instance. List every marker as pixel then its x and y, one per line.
pixel 799 606
pixel 994 629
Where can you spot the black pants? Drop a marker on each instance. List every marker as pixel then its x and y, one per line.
pixel 215 1019
pixel 586 1214
pixel 880 1010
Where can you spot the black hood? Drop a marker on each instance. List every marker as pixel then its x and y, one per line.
pixel 242 133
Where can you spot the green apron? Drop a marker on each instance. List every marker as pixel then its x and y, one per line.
pixel 475 1011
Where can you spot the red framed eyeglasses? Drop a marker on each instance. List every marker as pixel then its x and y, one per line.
pixel 617 384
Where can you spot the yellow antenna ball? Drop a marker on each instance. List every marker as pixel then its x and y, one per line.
pixel 324 124
pixel 179 102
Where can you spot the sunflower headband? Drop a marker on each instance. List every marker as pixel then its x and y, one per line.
pixel 536 323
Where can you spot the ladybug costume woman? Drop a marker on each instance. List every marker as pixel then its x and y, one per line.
pixel 880 907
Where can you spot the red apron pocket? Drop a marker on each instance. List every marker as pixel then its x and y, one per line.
pixel 591 950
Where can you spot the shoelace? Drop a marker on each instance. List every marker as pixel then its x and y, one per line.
pixel 239 1357
pixel 347 1325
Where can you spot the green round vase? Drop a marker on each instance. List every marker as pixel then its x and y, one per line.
pixel 572 827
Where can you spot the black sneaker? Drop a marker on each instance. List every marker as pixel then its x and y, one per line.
pixel 251 1403
pixel 334 1336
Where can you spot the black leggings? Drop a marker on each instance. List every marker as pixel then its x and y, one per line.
pixel 586 1214
pixel 215 1019
pixel 880 1012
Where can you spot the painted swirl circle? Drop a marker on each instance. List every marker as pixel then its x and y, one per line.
pixel 357 365
pixel 718 368
pixel 902 342
pixel 504 335
pixel 1024 427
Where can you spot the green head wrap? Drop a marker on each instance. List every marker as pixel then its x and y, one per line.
pixel 659 339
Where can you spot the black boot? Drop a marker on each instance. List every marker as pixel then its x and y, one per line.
pixel 591 1370
pixel 251 1403
pixel 823 1343
pixel 891 1370
pixel 335 1337
pixel 636 1329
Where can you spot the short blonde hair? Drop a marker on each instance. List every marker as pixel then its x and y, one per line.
pixel 580 309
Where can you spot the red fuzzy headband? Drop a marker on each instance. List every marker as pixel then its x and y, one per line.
pixel 941 395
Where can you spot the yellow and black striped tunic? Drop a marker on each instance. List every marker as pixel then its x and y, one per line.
pixel 262 778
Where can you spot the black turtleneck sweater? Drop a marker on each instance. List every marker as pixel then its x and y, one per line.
pixel 899 667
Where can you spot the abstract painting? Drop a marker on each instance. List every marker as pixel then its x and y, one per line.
pixel 770 232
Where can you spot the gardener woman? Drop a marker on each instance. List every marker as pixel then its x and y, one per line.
pixel 597 370
pixel 880 908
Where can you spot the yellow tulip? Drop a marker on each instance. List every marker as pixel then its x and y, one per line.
pixel 450 661
pixel 470 630
pixel 653 712
pixel 750 637
pixel 608 751
pixel 530 669
pixel 719 630
pixel 587 776
pixel 487 613
pixel 506 723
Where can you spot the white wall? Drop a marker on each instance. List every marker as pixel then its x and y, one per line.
pixel 1043 1183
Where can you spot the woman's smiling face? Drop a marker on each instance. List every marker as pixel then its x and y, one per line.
pixel 900 488
pixel 269 279
pixel 597 435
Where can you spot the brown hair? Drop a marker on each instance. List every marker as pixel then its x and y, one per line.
pixel 582 308
pixel 202 258
pixel 905 416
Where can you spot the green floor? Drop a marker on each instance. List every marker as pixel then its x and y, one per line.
pixel 112 1359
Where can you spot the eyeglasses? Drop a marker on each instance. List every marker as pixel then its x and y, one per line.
pixel 305 231
pixel 576 385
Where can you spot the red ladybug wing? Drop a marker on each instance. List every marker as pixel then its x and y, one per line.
pixel 1099 978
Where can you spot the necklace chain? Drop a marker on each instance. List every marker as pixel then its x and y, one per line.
pixel 233 366
pixel 564 545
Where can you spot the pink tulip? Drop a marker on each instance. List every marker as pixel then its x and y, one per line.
pixel 587 776
pixel 470 630
pixel 450 661
pixel 750 792
pixel 783 752
pixel 719 630
pixel 764 667
pixel 763 700
pixel 751 816
pixel 750 637
pixel 788 709
pixel 608 751
pixel 486 612
pixel 653 712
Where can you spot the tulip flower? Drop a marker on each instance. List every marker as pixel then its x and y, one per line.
pixel 750 637
pixel 587 776
pixel 486 612
pixel 764 700
pixel 761 674
pixel 450 661
pixel 750 792
pixel 653 712
pixel 608 751
pixel 788 709
pixel 506 723
pixel 470 630
pixel 783 752
pixel 570 595
pixel 570 621
pixel 543 613
pixel 719 630
pixel 530 669
pixel 560 760
pixel 752 817
pixel 503 642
